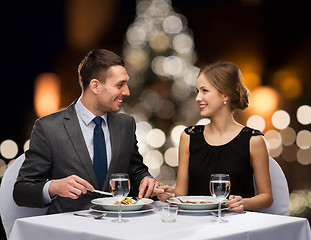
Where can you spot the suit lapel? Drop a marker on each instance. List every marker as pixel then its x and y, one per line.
pixel 72 126
pixel 115 146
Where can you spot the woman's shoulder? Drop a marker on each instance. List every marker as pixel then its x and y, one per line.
pixel 251 131
pixel 194 130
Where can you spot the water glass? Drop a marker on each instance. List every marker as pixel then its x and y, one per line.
pixel 168 213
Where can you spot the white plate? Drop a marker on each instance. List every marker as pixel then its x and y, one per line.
pixel 211 202
pixel 199 211
pixel 107 204
pixel 145 208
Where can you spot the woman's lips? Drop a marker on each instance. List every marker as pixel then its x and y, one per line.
pixel 202 106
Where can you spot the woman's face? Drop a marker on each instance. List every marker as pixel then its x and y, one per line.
pixel 210 100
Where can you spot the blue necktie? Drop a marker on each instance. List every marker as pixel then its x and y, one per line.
pixel 100 154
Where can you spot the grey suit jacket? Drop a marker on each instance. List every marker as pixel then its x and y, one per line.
pixel 57 150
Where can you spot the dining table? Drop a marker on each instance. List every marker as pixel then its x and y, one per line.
pixel 148 225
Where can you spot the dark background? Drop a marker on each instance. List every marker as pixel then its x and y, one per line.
pixel 33 41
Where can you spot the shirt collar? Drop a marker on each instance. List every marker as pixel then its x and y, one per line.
pixel 86 115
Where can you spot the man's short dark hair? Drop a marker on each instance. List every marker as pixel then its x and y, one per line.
pixel 96 64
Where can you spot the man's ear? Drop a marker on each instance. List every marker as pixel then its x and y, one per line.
pixel 94 85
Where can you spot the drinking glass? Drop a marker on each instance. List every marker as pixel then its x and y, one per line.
pixel 120 187
pixel 220 188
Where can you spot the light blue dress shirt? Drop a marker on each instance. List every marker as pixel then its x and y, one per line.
pixel 87 125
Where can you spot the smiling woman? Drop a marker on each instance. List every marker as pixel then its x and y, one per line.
pixel 222 145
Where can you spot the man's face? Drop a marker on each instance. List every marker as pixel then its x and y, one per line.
pixel 112 92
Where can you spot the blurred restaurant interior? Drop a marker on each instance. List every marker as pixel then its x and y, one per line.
pixel 164 43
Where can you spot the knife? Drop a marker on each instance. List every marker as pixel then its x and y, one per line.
pixel 101 192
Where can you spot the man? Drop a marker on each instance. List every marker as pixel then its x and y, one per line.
pixel 64 160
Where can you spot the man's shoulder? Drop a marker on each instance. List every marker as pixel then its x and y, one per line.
pixel 120 116
pixel 59 115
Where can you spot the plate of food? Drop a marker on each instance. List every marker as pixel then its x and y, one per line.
pixel 145 208
pixel 127 204
pixel 194 202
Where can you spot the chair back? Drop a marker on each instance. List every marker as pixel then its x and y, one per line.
pixel 279 190
pixel 8 209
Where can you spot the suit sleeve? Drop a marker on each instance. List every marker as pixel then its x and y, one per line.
pixel 35 170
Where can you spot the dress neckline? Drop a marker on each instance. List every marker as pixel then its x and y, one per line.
pixel 224 143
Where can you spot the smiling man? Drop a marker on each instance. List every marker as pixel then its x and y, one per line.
pixel 78 149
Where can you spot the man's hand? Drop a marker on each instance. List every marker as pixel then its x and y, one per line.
pixel 146 187
pixel 71 187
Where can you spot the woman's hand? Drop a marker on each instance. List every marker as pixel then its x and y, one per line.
pixel 164 192
pixel 235 203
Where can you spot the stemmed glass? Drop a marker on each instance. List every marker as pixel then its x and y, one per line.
pixel 120 187
pixel 220 188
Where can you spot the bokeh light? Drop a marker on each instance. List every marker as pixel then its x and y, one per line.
pixel 11 162
pixel 171 157
pixel 172 24
pixel 136 36
pixel 26 145
pixel 157 65
pixel 297 202
pixel 304 114
pixel 159 41
pixel 275 152
pixel 136 58
pixel 304 156
pixel 288 83
pixel 47 94
pixel 180 90
pixel 251 80
pixel 167 110
pixel 153 160
pixel 264 101
pixel 3 167
pixel 203 121
pixel 156 138
pixel 175 134
pixel 182 43
pixel 190 75
pixel 280 119
pixel 151 100
pixel 8 149
pixel 289 153
pixel 256 122
pixel 303 139
pixel 142 130
pixel 273 139
pixel 291 87
pixel 173 65
pixel 288 136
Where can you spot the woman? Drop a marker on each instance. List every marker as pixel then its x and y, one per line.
pixel 223 145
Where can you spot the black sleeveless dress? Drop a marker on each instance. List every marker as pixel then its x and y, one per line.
pixel 232 158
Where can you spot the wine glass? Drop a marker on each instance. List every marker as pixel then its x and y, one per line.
pixel 120 187
pixel 220 188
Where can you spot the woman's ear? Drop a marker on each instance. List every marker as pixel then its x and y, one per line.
pixel 225 98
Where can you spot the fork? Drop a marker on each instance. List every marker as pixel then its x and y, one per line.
pixel 91 215
pixel 181 201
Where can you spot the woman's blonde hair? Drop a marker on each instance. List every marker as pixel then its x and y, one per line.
pixel 226 78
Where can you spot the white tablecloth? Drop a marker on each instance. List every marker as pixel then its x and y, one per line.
pixel 148 225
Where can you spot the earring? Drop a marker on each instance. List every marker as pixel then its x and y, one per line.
pixel 225 102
